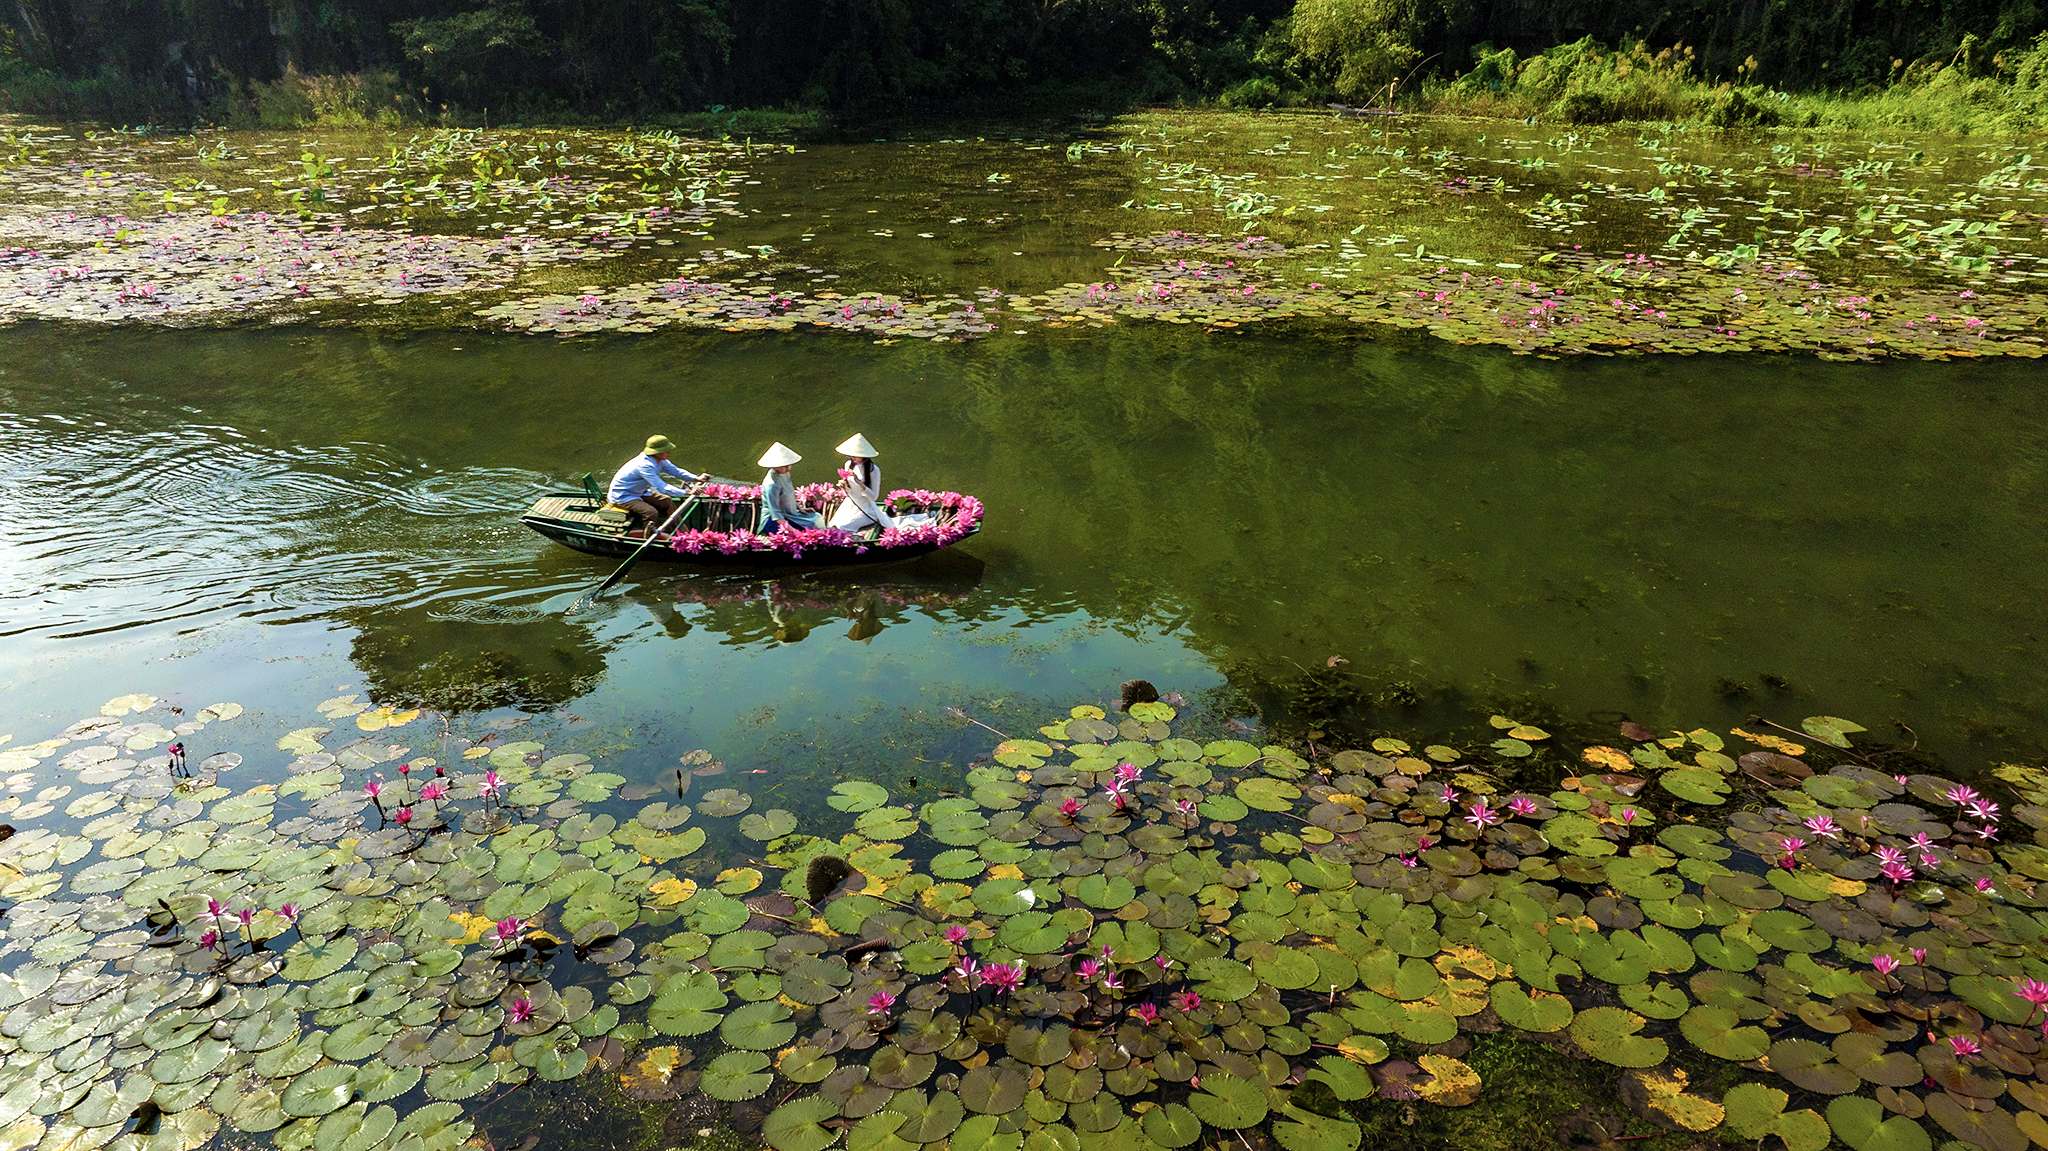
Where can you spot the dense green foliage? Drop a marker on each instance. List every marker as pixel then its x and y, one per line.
pixel 284 62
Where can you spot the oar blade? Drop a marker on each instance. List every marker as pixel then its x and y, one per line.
pixel 613 579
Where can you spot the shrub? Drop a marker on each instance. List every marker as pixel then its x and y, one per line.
pixel 1258 92
pixel 1363 49
pixel 1732 107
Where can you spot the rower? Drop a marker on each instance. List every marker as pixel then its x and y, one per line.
pixel 640 490
pixel 863 483
pixel 779 507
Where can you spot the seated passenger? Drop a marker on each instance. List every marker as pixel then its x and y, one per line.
pixel 863 483
pixel 639 488
pixel 778 494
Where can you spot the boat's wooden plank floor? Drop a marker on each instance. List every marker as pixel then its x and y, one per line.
pixel 562 508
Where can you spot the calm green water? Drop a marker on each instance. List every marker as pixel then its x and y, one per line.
pixel 280 515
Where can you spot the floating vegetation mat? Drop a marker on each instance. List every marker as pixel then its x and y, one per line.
pixel 1601 241
pixel 1118 937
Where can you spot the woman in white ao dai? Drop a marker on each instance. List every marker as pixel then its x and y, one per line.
pixel 863 483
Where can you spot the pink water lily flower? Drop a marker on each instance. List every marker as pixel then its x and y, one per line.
pixel 1089 969
pixel 1823 827
pixel 1004 977
pixel 969 972
pixel 491 785
pixel 1163 962
pixel 374 788
pixel 1984 885
pixel 1522 805
pixel 403 816
pixel 1889 855
pixel 1449 794
pixel 1070 807
pixel 507 930
pixel 290 913
pixel 1964 1046
pixel 1185 1001
pixel 1128 772
pixel 956 934
pixel 215 909
pixel 1628 816
pixel 1885 964
pixel 881 1003
pixel 1482 816
pixel 1791 844
pixel 1147 1013
pixel 1919 955
pixel 433 791
pixel 2033 991
pixel 522 1010
pixel 1983 811
pixel 1960 795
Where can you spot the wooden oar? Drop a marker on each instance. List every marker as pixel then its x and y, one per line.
pixel 615 577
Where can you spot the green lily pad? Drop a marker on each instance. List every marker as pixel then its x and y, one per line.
pixel 320 1091
pixel 1719 1032
pixel 1830 730
pixel 1228 1102
pixel 857 796
pixel 1861 1124
pixel 768 825
pixel 758 1026
pixel 1308 1131
pixel 1609 1034
pixel 737 1075
pixel 1268 794
pixel 1695 786
pixel 927 1119
pixel 794 1126
pixel 983 1133
pixel 461 1080
pixel 310 959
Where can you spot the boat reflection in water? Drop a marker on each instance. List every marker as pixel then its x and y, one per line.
pixel 788 609
pixel 462 655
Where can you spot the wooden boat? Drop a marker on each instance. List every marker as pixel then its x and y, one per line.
pixel 717 530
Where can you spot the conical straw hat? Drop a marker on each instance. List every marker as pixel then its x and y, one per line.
pixel 777 456
pixel 858 445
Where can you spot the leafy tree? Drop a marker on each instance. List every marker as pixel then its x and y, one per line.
pixel 1364 48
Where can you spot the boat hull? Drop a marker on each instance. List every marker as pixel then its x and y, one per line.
pixel 598 540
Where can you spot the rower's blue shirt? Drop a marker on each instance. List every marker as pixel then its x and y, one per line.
pixel 642 474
